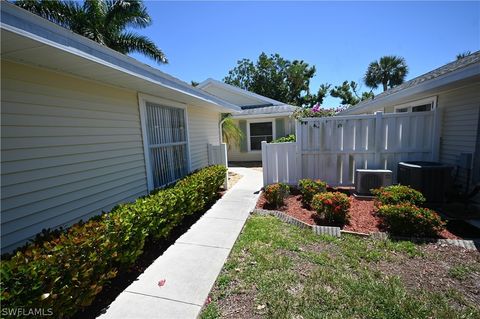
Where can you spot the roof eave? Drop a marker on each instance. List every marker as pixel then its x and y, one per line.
pixel 29 25
pixel 452 77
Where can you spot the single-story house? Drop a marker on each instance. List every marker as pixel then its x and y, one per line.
pixel 85 127
pixel 452 90
pixel 260 118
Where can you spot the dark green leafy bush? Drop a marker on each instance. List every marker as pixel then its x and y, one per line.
pixel 410 220
pixel 309 188
pixel 275 194
pixel 332 206
pixel 65 270
pixel 398 194
pixel 285 139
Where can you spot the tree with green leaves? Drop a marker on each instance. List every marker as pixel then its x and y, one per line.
pixel 347 92
pixel 463 54
pixel 103 21
pixel 388 71
pixel 277 78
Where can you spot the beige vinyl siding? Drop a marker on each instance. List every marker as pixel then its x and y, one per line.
pixel 71 148
pixel 461 110
pixel 202 130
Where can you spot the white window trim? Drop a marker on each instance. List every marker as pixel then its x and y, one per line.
pixel 142 104
pixel 430 100
pixel 261 120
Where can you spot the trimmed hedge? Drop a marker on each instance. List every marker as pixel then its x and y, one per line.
pixel 65 270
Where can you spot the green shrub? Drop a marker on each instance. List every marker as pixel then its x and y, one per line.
pixel 275 194
pixel 398 194
pixel 285 139
pixel 332 206
pixel 65 270
pixel 309 188
pixel 410 220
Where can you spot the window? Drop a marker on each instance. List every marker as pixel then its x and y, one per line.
pixel 260 131
pixel 417 106
pixel 164 131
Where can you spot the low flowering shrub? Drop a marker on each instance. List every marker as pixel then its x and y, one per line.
pixel 309 188
pixel 64 270
pixel 332 206
pixel 397 194
pixel 410 220
pixel 275 194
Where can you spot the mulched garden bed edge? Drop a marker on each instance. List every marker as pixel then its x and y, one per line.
pixel 471 244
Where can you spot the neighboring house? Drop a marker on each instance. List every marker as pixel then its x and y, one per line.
pixel 453 90
pixel 85 127
pixel 261 118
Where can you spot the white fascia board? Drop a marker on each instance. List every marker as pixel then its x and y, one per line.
pixel 241 117
pixel 29 25
pixel 452 77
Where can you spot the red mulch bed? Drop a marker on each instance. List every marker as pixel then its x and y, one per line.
pixel 362 214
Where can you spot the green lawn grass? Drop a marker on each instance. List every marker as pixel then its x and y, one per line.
pixel 277 270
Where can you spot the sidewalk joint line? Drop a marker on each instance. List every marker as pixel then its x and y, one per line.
pixel 209 246
pixel 165 298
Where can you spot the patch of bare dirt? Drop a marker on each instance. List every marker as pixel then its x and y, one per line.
pixel 432 271
pixel 238 304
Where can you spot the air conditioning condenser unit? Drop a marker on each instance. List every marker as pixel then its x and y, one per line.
pixel 367 179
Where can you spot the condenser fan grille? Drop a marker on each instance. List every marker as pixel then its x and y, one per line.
pixel 369 181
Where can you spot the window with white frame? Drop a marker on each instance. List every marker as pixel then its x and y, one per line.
pixel 166 143
pixel 258 132
pixel 423 105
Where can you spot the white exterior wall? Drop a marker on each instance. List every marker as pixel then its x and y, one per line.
pixel 72 148
pixel 203 129
pixel 235 155
pixel 461 111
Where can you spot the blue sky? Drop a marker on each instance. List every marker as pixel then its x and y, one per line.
pixel 205 39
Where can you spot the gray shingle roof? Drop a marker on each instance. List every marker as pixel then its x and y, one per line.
pixel 274 109
pixel 445 69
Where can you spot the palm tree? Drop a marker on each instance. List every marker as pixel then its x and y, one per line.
pixel 463 55
pixel 389 71
pixel 231 133
pixel 103 21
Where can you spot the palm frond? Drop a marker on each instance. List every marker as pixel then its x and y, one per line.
pixel 231 133
pixel 131 42
pixel 59 12
pixel 127 13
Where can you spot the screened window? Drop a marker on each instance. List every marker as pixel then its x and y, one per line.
pixel 167 143
pixel 424 105
pixel 262 131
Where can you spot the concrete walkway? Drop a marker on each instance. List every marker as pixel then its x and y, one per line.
pixel 191 266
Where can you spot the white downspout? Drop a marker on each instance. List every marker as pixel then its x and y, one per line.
pixel 220 128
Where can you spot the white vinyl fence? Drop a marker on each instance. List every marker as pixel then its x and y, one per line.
pixel 332 148
pixel 217 154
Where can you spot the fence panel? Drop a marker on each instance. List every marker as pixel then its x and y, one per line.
pixel 332 148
